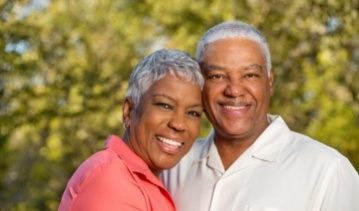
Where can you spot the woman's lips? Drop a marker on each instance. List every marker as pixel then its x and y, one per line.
pixel 168 145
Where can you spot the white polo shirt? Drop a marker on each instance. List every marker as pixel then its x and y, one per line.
pixel 282 170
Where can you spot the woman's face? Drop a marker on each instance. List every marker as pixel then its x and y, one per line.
pixel 164 126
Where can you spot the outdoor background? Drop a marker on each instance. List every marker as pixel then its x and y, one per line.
pixel 64 67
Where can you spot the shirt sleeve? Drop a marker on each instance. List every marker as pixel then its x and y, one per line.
pixel 342 188
pixel 109 187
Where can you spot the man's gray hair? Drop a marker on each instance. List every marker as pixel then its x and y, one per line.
pixel 158 64
pixel 234 29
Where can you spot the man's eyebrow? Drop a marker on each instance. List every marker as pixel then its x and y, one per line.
pixel 253 67
pixel 214 67
pixel 248 67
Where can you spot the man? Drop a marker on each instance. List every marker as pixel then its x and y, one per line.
pixel 252 160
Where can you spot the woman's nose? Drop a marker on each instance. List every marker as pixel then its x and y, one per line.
pixel 177 122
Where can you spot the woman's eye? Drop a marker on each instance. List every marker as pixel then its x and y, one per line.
pixel 164 105
pixel 195 113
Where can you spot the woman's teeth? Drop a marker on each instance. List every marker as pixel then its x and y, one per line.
pixel 170 142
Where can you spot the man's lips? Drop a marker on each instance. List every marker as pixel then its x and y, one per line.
pixel 234 109
pixel 234 105
pixel 230 107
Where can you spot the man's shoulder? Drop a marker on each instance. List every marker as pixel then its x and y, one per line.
pixel 200 146
pixel 303 149
pixel 199 143
pixel 198 151
pixel 300 143
pixel 308 144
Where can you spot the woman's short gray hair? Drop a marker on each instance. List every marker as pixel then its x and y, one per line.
pixel 234 29
pixel 158 64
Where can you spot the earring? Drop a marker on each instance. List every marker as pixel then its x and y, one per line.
pixel 125 126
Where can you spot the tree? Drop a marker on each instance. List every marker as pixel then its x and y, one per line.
pixel 65 64
pixel 62 91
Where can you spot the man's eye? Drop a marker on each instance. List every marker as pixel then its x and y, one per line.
pixel 215 76
pixel 252 75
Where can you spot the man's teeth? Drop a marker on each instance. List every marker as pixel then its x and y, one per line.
pixel 234 107
pixel 170 142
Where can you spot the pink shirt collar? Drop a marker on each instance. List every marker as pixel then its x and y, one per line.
pixel 137 165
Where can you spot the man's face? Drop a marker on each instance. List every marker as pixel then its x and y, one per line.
pixel 166 123
pixel 237 88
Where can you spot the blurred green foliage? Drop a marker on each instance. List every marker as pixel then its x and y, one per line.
pixel 64 67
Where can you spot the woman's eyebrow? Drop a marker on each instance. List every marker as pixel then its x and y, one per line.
pixel 200 105
pixel 163 95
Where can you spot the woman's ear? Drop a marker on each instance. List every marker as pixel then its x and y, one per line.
pixel 127 108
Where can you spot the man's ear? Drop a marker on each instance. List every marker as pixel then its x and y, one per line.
pixel 271 80
pixel 127 109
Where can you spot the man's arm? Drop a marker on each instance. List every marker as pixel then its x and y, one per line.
pixel 342 188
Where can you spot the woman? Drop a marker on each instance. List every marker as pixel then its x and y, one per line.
pixel 162 116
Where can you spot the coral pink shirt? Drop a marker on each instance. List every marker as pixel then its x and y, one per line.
pixel 115 179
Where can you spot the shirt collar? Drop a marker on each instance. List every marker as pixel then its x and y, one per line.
pixel 133 161
pixel 269 144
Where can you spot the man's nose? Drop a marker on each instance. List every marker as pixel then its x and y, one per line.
pixel 234 88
